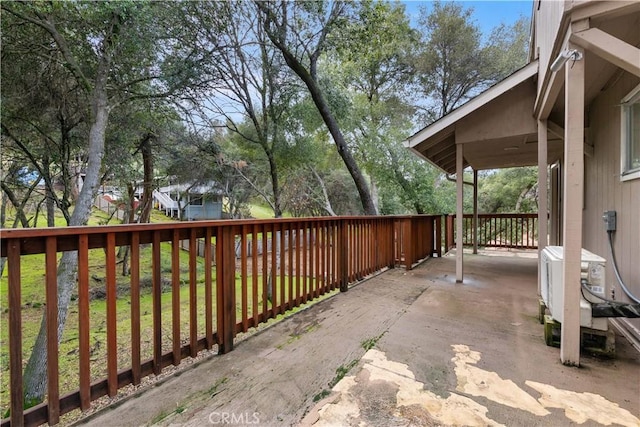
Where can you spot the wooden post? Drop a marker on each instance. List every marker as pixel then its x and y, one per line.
pixel 226 287
pixel 393 248
pixel 555 209
pixel 407 239
pixel 427 226
pixel 83 321
pixel 446 233
pixel 135 309
pixel 157 303
pixel 542 193
pixel 343 253
pixel 459 212
pixel 243 278
pixel 112 318
pixel 475 211
pixel 193 296
pixel 573 200
pixel 175 297
pixel 438 242
pixel 448 230
pixel 51 294
pixel 208 281
pixel 254 275
pixel 15 333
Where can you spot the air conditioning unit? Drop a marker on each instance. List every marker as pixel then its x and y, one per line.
pixel 552 287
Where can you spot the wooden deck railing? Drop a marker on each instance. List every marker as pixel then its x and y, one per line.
pixel 519 231
pixel 417 239
pixel 174 303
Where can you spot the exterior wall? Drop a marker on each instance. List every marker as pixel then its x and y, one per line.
pixel 511 115
pixel 604 190
pixel 547 20
pixel 208 210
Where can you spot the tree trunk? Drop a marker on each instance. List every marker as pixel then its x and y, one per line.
pixel 129 217
pixel 76 179
pixel 404 183
pixel 49 196
pixel 308 76
pixel 51 212
pixel 147 185
pixel 3 219
pixel 277 210
pixel 19 206
pixel 35 373
pixel 334 129
pixel 521 197
pixel 327 203
pixel 374 194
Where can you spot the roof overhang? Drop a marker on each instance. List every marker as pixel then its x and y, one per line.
pixel 497 128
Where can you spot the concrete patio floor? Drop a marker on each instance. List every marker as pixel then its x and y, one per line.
pixel 403 348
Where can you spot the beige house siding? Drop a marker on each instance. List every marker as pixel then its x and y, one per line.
pixel 604 190
pixel 513 115
pixel 548 19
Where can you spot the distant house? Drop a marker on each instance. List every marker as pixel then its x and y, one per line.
pixel 573 110
pixel 189 202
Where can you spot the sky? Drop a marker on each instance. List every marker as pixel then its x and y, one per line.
pixel 487 14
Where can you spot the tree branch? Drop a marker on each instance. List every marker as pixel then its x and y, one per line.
pixel 327 203
pixel 49 27
pixel 255 187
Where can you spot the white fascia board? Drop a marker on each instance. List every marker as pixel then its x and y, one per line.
pixel 490 94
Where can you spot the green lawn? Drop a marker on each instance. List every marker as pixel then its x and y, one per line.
pixel 97 217
pixel 264 212
pixel 261 212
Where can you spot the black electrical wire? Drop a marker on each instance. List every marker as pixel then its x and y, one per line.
pixel 630 311
pixel 585 287
pixel 615 269
pixel 609 308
